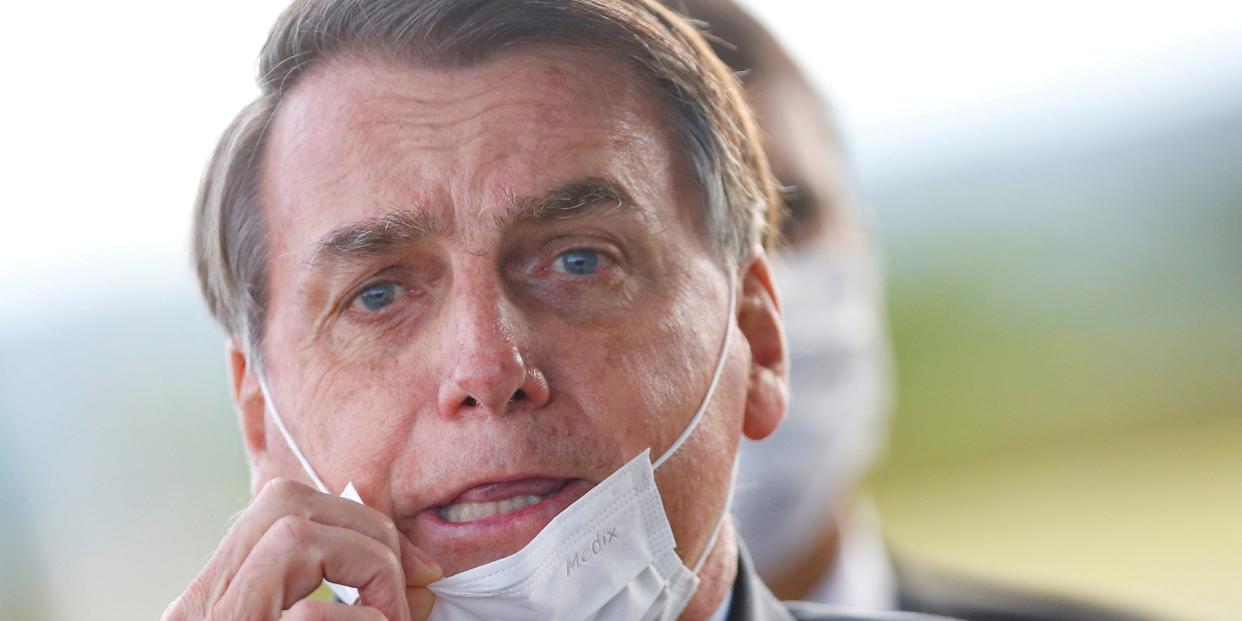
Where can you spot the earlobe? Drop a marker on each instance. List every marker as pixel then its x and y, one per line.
pixel 759 319
pixel 248 399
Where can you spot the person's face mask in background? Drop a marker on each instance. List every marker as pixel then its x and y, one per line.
pixel 610 556
pixel 792 481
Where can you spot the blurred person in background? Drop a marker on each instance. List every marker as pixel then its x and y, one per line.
pixel 798 502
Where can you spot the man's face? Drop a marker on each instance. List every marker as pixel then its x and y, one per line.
pixel 490 287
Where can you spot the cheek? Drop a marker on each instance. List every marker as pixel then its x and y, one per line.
pixel 694 484
pixel 664 359
pixel 364 413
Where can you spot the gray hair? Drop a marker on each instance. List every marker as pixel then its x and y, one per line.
pixel 230 247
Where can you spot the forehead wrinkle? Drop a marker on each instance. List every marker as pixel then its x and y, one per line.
pixel 458 98
pixel 472 120
pixel 465 106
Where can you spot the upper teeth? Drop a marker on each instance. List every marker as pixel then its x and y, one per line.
pixel 471 511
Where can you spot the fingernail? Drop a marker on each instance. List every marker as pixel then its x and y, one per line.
pixel 421 569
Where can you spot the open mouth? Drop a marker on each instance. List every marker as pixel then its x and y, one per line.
pixel 458 513
pixel 491 520
pixel 490 501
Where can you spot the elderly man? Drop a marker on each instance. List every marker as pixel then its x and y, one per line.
pixel 494 271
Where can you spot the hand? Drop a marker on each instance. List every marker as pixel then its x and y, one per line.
pixel 291 538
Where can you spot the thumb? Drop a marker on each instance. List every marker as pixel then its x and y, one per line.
pixel 420 569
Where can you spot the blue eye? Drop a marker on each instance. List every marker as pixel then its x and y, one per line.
pixel 377 296
pixel 577 262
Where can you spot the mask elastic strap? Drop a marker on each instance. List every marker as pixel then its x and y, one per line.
pixel 284 431
pixel 711 540
pixel 711 388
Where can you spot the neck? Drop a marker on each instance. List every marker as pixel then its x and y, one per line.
pixel 716 577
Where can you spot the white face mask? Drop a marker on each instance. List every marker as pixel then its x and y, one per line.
pixel 610 556
pixel 790 483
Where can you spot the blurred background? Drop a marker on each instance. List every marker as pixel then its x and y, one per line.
pixel 1056 189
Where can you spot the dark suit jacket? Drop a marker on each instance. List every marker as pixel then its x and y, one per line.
pixel 752 601
pixel 940 592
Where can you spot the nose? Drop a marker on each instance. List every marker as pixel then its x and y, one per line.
pixel 489 373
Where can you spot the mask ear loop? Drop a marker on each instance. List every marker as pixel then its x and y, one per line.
pixel 346 594
pixel 711 540
pixel 284 431
pixel 721 357
pixel 711 388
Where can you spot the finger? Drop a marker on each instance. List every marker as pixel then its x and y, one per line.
pixel 420 568
pixel 314 610
pixel 281 497
pixel 421 600
pixel 296 554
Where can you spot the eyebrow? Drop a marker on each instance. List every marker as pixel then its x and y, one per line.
pixel 589 195
pixel 372 237
pixel 376 236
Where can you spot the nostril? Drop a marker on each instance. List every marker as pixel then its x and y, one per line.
pixel 470 402
pixel 519 395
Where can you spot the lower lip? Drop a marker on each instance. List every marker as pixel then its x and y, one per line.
pixel 533 517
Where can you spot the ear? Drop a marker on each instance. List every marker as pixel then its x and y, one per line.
pixel 251 412
pixel 759 319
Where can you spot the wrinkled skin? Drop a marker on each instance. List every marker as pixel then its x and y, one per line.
pixel 491 357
